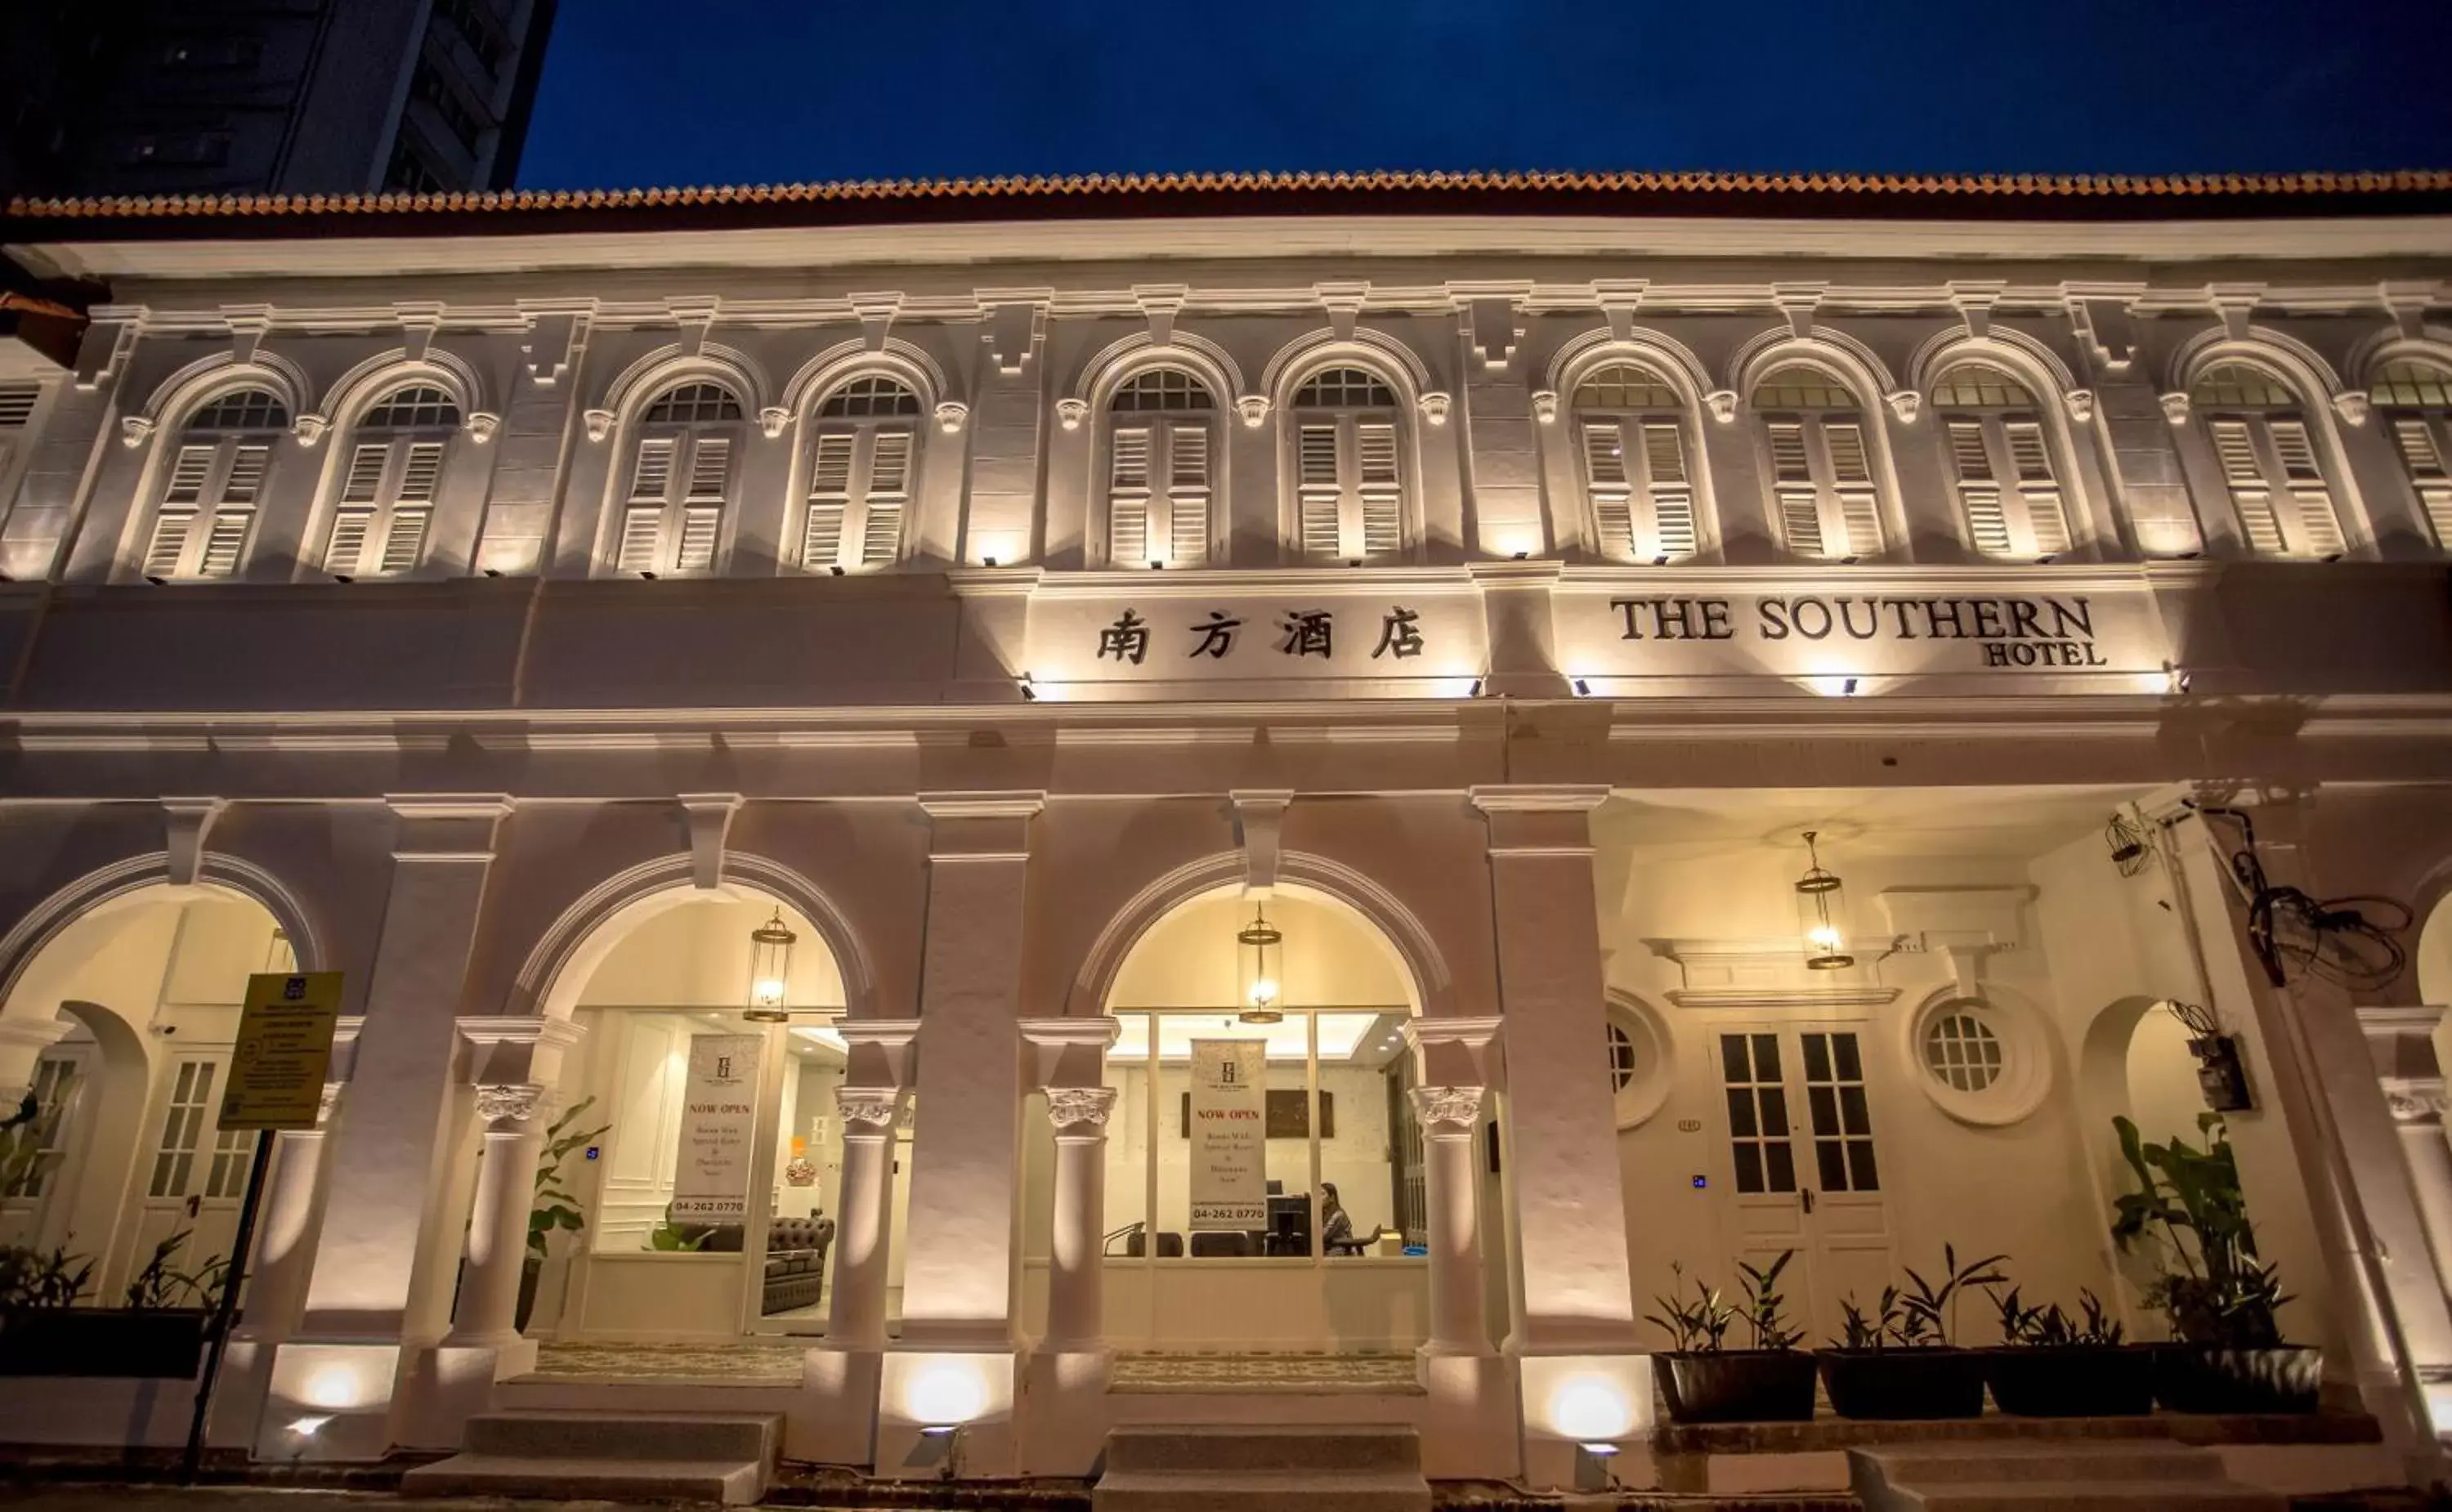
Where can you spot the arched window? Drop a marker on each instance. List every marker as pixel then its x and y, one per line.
pixel 2000 460
pixel 387 502
pixel 2267 454
pixel 2416 400
pixel 1631 432
pixel 215 482
pixel 1349 482
pixel 860 461
pixel 680 473
pixel 1161 434
pixel 1821 464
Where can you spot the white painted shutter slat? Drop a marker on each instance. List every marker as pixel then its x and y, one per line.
pixel 1383 503
pixel 1187 460
pixel 2235 447
pixel 422 472
pixel 1988 523
pixel 1375 449
pixel 2295 450
pixel 224 543
pixel 2046 512
pixel 17 403
pixel 1128 509
pixel 1605 481
pixel 1315 473
pixel 821 535
pixel 1672 495
pixel 2423 456
pixel 699 524
pixel 350 524
pixel 641 524
pixel 365 482
pixel 830 467
pixel 169 543
pixel 651 475
pixel 1128 469
pixel 405 541
pixel 187 476
pixel 1851 471
pixel 246 480
pixel 881 534
pixel 889 464
pixel 710 463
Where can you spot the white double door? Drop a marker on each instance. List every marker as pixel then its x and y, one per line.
pixel 194 1175
pixel 1801 1170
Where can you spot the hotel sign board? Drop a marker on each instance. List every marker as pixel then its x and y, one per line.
pixel 717 1126
pixel 1230 1091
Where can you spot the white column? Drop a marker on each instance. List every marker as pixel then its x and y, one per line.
pixel 276 1275
pixel 864 1218
pixel 1075 1305
pixel 498 1225
pixel 2416 1107
pixel 1450 1116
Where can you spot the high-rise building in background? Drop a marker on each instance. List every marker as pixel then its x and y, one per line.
pixel 243 96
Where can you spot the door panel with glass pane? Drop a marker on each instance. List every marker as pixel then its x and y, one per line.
pixel 198 1173
pixel 1802 1168
pixel 40 1158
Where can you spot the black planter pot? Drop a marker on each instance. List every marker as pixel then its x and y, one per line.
pixel 2190 1378
pixel 1739 1386
pixel 2081 1381
pixel 1894 1385
pixel 165 1343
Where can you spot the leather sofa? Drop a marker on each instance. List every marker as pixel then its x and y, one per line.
pixel 795 1260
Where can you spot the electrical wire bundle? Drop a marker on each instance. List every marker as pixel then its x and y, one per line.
pixel 2347 941
pixel 2200 1021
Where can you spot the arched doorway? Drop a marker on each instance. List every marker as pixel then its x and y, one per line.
pixel 140 997
pixel 708 1157
pixel 2135 1064
pixel 1315 1241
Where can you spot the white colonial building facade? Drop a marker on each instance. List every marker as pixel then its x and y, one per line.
pixel 1018 595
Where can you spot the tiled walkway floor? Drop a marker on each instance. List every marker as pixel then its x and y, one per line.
pixel 777 1361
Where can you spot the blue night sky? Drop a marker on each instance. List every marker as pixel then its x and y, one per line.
pixel 735 91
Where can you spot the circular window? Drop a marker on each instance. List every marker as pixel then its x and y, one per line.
pixel 1961 1053
pixel 1621 1051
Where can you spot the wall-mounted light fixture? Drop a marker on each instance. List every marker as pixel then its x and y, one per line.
pixel 1259 951
pixel 1818 897
pixel 770 970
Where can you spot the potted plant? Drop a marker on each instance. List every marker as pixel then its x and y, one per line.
pixel 159 1333
pixel 2222 1303
pixel 2050 1365
pixel 1901 1363
pixel 1772 1382
pixel 551 1207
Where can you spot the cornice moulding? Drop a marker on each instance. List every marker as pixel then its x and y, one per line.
pixel 1799 997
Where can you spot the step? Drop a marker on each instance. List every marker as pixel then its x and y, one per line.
pixel 2092 1496
pixel 1334 1448
pixel 1261 1491
pixel 727 1438
pixel 1956 1464
pixel 574 1479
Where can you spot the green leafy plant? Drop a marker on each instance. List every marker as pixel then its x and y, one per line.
pixel 670 1236
pixel 2189 1206
pixel 160 1284
pixel 1885 1327
pixel 28 1278
pixel 1765 1308
pixel 552 1207
pixel 1927 1308
pixel 2049 1327
pixel 1697 1326
pixel 21 1147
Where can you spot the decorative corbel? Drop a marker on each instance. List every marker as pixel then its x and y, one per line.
pixel 481 427
pixel 1798 301
pixel 2175 407
pixel 1973 300
pixel 188 822
pixel 309 428
pixel 2353 406
pixel 949 415
pixel 598 423
pixel 876 312
pixel 709 815
pixel 1618 299
pixel 1545 405
pixel 2081 404
pixel 2407 303
pixel 2102 319
pixel 2235 305
pixel 1343 302
pixel 1492 326
pixel 551 345
pixel 248 326
pixel 1070 413
pixel 695 314
pixel 419 320
pixel 135 430
pixel 772 419
pixel 1722 403
pixel 107 339
pixel 1253 408
pixel 1435 409
pixel 1259 817
pixel 1906 404
pixel 1015 328
pixel 1161 303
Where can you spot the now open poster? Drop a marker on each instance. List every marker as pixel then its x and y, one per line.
pixel 1230 1098
pixel 719 1122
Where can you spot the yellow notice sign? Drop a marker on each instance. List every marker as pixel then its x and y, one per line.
pixel 284 1052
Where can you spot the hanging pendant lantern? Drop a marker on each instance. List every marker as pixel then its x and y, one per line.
pixel 1819 902
pixel 1259 961
pixel 770 968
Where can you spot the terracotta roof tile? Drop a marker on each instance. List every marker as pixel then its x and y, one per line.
pixel 1693 193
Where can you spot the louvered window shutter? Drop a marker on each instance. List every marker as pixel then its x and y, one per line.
pixel 1988 524
pixel 412 507
pixel 1800 506
pixel 2422 453
pixel 1673 491
pixel 1128 476
pixel 1605 481
pixel 2235 446
pixel 1315 474
pixel 1383 498
pixel 2317 520
pixel 703 505
pixel 177 516
pixel 354 515
pixel 1187 445
pixel 651 482
pixel 829 496
pixel 1852 476
pixel 2047 510
pixel 225 542
pixel 889 491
